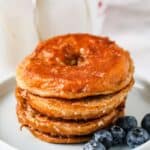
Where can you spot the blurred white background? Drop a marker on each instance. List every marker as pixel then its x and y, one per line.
pixel 24 22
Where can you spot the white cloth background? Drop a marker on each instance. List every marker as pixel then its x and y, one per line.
pixel 17 33
pixel 24 22
pixel 22 26
pixel 129 25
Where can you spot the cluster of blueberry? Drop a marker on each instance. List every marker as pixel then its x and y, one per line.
pixel 125 131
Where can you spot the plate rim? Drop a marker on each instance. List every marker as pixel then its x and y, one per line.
pixel 11 78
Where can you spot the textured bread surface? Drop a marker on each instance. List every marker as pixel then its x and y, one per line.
pixel 74 66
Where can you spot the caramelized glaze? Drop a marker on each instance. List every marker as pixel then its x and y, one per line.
pixel 75 65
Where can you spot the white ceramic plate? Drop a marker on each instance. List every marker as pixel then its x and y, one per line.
pixel 138 104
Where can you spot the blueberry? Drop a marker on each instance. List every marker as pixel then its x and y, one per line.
pixel 94 145
pixel 127 123
pixel 146 122
pixel 136 137
pixel 118 134
pixel 104 137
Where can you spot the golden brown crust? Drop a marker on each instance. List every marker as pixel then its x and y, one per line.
pixel 29 117
pixel 84 108
pixel 75 66
pixel 60 139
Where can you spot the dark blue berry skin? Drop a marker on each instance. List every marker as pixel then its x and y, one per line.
pixel 127 123
pixel 94 145
pixel 136 137
pixel 104 137
pixel 118 135
pixel 146 122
